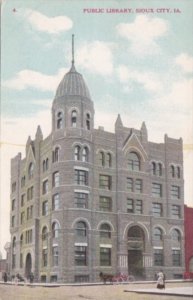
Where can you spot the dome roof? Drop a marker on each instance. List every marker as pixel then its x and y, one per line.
pixel 72 84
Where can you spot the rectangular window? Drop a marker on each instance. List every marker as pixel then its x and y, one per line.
pixel 30 193
pixel 81 200
pixel 157 210
pixel 13 205
pixel 13 187
pixel 139 207
pixel 105 256
pixel 156 190
pixel 45 208
pixel 12 221
pixel 130 206
pixel 45 187
pixel 22 217
pixel 55 202
pixel 130 184
pixel 175 192
pixel 81 278
pixel 80 255
pixel 105 203
pixel 176 258
pixel 45 257
pixel 56 179
pixel 138 186
pixel 105 182
pixel 176 211
pixel 30 212
pixel 81 177
pixel 28 236
pixel 158 257
pixel 22 200
pixel 55 256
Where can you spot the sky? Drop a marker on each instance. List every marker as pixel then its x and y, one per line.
pixel 135 56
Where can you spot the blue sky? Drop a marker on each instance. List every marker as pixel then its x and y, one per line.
pixel 137 64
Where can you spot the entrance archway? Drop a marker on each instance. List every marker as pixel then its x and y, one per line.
pixel 28 265
pixel 136 245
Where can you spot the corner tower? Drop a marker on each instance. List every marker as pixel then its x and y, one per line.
pixel 72 109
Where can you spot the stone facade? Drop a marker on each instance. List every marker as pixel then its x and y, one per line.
pixel 84 200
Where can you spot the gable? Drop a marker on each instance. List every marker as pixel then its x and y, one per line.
pixel 132 143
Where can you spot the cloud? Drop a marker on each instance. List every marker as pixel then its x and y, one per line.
pixel 96 57
pixel 149 80
pixel 33 79
pixel 185 61
pixel 54 25
pixel 143 34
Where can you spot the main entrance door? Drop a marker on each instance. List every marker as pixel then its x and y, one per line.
pixel 135 251
pixel 28 265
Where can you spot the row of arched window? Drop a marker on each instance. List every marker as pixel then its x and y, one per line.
pixel 105 159
pixel 105 231
pixel 81 229
pixel 158 234
pixel 74 120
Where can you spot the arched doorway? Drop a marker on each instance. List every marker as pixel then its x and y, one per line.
pixel 28 265
pixel 136 245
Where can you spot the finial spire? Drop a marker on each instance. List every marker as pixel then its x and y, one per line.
pixel 72 49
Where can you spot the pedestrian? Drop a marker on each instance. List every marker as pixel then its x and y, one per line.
pixel 5 277
pixel 160 280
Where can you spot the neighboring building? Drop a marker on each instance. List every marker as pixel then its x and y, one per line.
pixel 188 227
pixel 84 200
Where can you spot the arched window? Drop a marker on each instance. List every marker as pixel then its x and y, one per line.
pixel 85 154
pixel 105 231
pixel 44 233
pixel 59 120
pixel 56 154
pixel 77 153
pixel 109 160
pixel 160 169
pixel 21 240
pixel 102 158
pixel 55 230
pixel 157 234
pixel 133 162
pixel 81 228
pixel 153 168
pixel 178 172
pixel 31 170
pixel 176 236
pixel 87 121
pixel 172 169
pixel 74 118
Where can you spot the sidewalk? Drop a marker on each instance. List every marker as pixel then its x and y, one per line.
pixel 177 291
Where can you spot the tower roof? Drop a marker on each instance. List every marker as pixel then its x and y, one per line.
pixel 72 83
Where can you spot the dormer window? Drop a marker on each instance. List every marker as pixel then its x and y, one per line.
pixel 87 121
pixel 74 118
pixel 59 120
pixel 133 162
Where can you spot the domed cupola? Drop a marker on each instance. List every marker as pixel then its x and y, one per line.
pixel 72 84
pixel 72 106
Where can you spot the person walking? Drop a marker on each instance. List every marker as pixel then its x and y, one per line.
pixel 5 277
pixel 160 280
